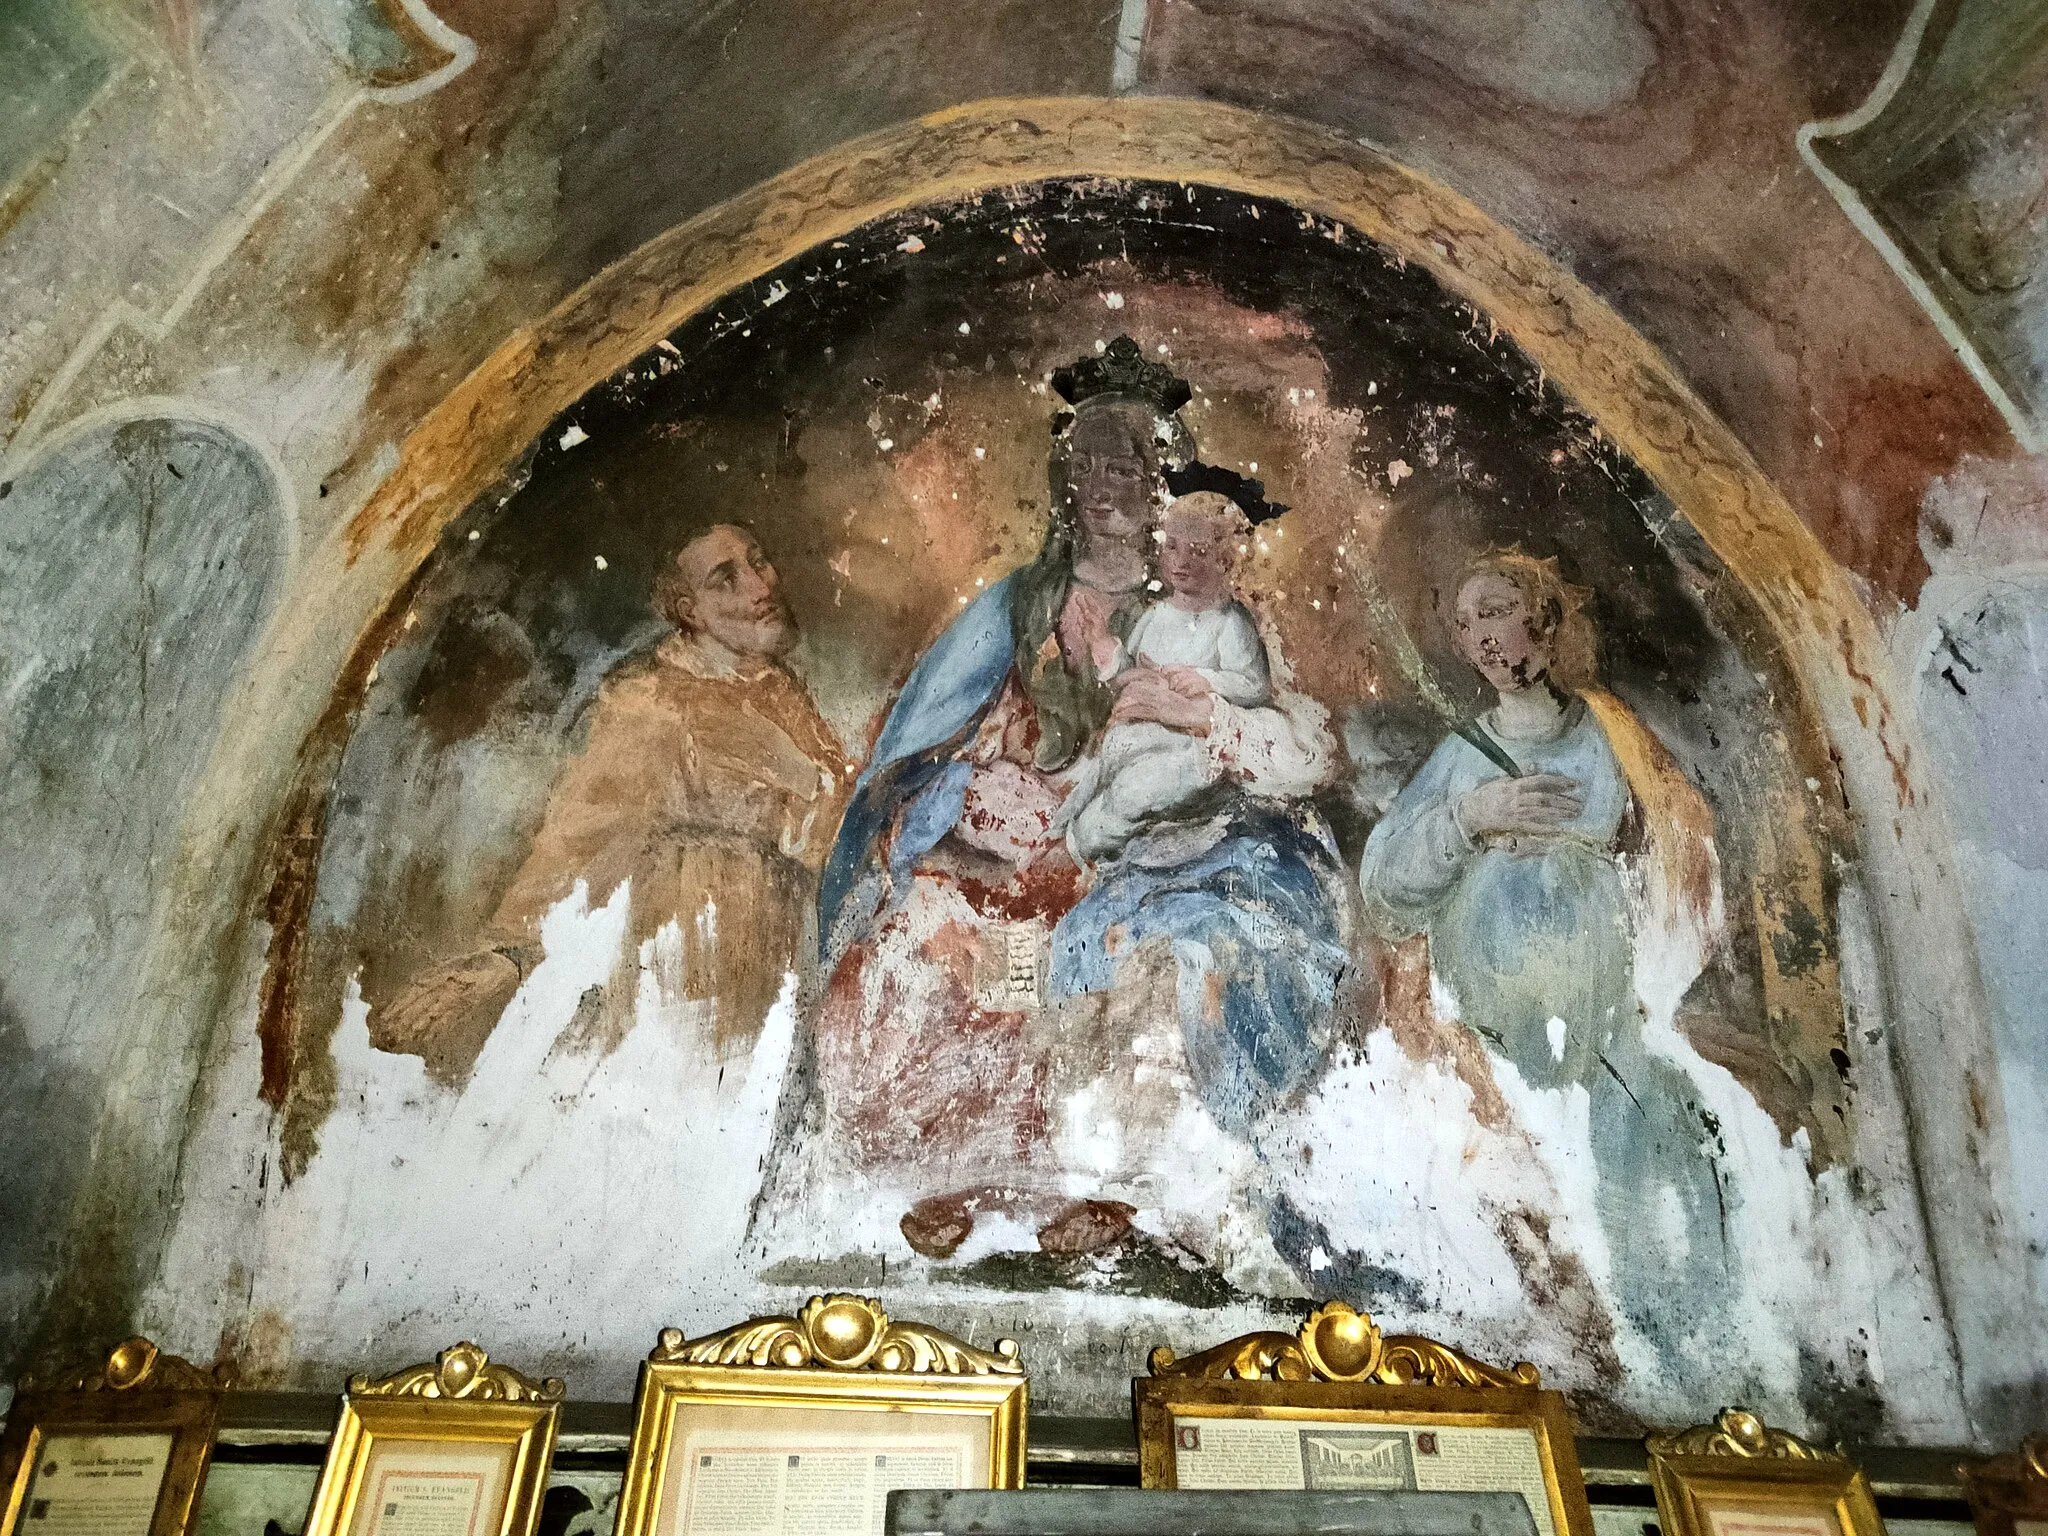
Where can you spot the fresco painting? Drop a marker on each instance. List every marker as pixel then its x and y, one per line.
pixel 1112 758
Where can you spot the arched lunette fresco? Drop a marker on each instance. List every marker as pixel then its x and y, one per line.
pixel 486 426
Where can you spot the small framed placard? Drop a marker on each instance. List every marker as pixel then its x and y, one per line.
pixel 802 1426
pixel 460 1447
pixel 1340 1407
pixel 1739 1477
pixel 120 1452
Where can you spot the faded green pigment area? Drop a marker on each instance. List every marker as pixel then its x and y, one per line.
pixel 362 36
pixel 52 61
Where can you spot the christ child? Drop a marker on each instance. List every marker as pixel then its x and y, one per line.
pixel 1145 772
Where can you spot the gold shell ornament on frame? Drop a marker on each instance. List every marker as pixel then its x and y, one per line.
pixel 1738 1432
pixel 138 1365
pixel 1339 1343
pixel 840 1333
pixel 461 1372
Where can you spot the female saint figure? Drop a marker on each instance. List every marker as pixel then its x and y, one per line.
pixel 1533 890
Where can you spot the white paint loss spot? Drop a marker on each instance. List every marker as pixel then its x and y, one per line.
pixel 574 435
pixel 603 564
pixel 1398 471
pixel 777 292
pixel 1318 1260
pixel 966 329
pixel 912 245
pixel 1673 1229
pixel 1555 1030
pixel 475 534
pixel 1112 301
pixel 885 443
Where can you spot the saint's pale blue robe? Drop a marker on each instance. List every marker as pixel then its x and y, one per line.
pixel 1534 938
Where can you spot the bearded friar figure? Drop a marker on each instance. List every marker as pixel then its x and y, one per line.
pixel 708 781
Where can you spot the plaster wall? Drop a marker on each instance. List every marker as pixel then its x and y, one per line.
pixel 296 248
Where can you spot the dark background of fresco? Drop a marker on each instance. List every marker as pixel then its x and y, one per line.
pixel 770 412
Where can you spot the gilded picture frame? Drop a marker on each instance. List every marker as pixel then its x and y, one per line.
pixel 1739 1477
pixel 460 1429
pixel 168 1405
pixel 1395 1412
pixel 779 1384
pixel 2010 1491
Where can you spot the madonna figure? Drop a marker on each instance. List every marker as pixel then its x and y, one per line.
pixel 943 1055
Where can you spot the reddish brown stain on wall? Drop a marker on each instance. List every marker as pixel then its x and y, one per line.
pixel 1684 204
pixel 295 859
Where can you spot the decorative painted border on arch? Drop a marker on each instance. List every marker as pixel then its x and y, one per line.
pixel 1606 367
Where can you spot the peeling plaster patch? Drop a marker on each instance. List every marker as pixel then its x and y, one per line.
pixel 434 1159
pixel 1982 682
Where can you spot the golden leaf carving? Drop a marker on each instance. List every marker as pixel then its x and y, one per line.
pixel 1339 1343
pixel 1738 1432
pixel 137 1365
pixel 1998 1480
pixel 461 1372
pixel 840 1333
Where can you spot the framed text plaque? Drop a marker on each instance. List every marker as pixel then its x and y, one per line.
pixel 460 1447
pixel 802 1426
pixel 1340 1407
pixel 1738 1477
pixel 120 1452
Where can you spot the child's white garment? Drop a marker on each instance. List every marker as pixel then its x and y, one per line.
pixel 1144 770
